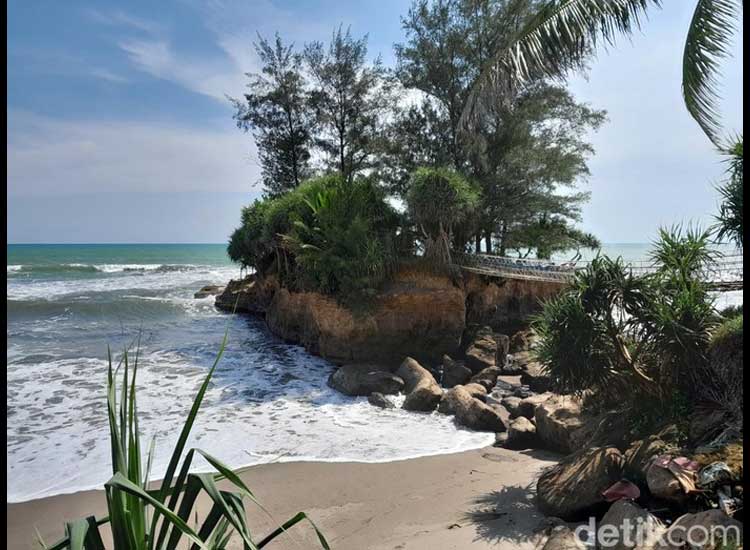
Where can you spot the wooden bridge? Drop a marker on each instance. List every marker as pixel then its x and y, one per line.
pixel 723 276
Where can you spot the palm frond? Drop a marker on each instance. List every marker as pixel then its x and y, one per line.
pixel 707 44
pixel 557 39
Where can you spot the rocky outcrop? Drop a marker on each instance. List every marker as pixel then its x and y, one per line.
pixel 358 380
pixel 380 400
pixel 557 419
pixel 422 392
pixel 454 372
pixel 471 412
pixel 481 352
pixel 209 290
pixel 487 377
pixel 513 404
pixel 521 434
pixel 424 321
pixel 252 294
pixel 622 519
pixel 573 488
pixel 527 406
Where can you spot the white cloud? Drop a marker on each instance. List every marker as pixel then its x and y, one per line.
pixel 51 157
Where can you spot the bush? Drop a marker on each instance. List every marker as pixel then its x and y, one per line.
pixel 633 340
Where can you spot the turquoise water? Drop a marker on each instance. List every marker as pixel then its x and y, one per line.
pixel 268 400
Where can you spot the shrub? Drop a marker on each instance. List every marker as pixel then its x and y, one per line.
pixel 440 201
pixel 631 339
pixel 144 519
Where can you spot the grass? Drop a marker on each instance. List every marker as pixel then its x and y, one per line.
pixel 140 518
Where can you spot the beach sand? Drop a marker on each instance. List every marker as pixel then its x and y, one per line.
pixel 474 499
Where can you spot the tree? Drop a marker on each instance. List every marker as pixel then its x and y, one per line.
pixel 729 224
pixel 277 113
pixel 563 33
pixel 439 199
pixel 350 98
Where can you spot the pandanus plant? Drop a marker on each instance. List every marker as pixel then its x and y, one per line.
pixel 141 518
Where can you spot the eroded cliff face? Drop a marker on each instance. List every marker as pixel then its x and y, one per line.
pixel 417 314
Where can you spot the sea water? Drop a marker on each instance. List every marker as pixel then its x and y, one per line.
pixel 268 400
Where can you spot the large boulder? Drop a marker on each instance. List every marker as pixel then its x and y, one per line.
pixel 422 392
pixel 527 406
pixel 364 379
pixel 573 488
pixel 556 420
pixel 478 391
pixel 472 413
pixel 482 351
pixel 447 403
pixel 627 525
pixel 521 434
pixel 380 400
pixel 710 529
pixel 487 377
pixel 455 373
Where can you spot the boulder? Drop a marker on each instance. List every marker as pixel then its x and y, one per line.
pixel 474 414
pixel 487 377
pixel 501 355
pixel 477 391
pixel 573 488
pixel 520 341
pixel 640 453
pixel 482 350
pixel 253 294
pixel 455 373
pixel 513 404
pixel 448 400
pixel 563 538
pixel 710 529
pixel 535 377
pixel 627 525
pixel 422 392
pixel 556 419
pixel 209 290
pixel 521 434
pixel 528 405
pixel 364 379
pixel 380 400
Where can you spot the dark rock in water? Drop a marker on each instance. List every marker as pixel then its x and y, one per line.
pixel 482 350
pixel 557 419
pixel 380 400
pixel 521 434
pixel 487 377
pixel 358 380
pixel 422 391
pixel 573 488
pixel 454 372
pixel 209 290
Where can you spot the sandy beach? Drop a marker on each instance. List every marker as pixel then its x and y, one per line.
pixel 474 499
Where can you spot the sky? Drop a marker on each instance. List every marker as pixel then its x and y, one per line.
pixel 120 130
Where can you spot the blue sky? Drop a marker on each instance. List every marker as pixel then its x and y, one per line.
pixel 119 129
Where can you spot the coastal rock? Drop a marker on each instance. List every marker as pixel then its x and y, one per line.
pixel 380 400
pixel 623 520
pixel 521 434
pixel 503 342
pixel 358 380
pixel 513 404
pixel 454 372
pixel 414 315
pixel 700 529
pixel 472 413
pixel 535 377
pixel 527 406
pixel 477 391
pixel 252 294
pixel 482 350
pixel 209 290
pixel 422 392
pixel 574 487
pixel 563 538
pixel 556 420
pixel 447 403
pixel 487 377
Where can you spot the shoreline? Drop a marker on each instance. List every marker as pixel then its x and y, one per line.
pixel 482 497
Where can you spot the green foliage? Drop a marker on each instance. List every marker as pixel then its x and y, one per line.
pixel 345 242
pixel 439 201
pixel 141 518
pixel 633 338
pixel 729 220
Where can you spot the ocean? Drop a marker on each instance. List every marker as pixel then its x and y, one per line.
pixel 268 400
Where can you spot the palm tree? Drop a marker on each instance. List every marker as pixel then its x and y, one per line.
pixel 562 34
pixel 729 221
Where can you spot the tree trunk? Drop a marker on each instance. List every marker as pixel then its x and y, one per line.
pixel 488 243
pixel 478 244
